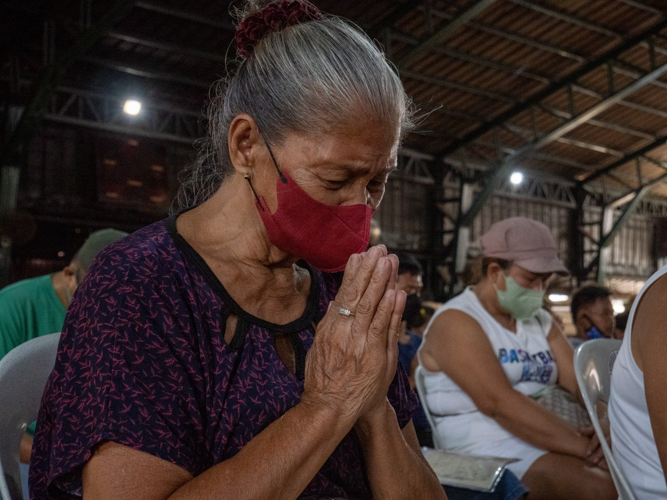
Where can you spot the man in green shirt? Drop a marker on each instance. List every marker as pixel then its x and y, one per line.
pixel 37 306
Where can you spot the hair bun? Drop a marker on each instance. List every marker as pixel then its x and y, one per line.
pixel 274 17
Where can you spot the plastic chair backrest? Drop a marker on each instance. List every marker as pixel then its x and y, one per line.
pixel 23 375
pixel 421 392
pixel 593 362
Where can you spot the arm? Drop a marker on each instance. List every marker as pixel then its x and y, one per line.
pixel 457 346
pixel 347 376
pixel 387 450
pixel 564 356
pixel 649 348
pixel 278 463
pixel 413 367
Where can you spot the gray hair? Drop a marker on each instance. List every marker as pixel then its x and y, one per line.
pixel 310 76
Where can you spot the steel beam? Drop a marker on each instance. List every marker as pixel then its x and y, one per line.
pixel 470 89
pixel 502 169
pixel 392 18
pixel 50 78
pixel 521 72
pixel 145 73
pixel 461 18
pixel 168 47
pixel 187 15
pixel 571 79
pixel 627 158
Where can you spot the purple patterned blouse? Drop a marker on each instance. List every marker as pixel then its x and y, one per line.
pixel 143 362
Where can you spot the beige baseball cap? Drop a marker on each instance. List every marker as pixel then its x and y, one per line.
pixel 526 242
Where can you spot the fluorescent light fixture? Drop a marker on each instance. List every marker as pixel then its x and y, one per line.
pixel 558 297
pixel 618 305
pixel 132 107
pixel 516 178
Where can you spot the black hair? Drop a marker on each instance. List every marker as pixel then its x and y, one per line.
pixel 408 263
pixel 622 320
pixel 487 261
pixel 422 317
pixel 587 296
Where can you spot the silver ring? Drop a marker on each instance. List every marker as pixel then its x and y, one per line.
pixel 344 312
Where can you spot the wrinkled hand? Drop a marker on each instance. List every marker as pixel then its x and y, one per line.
pixel 353 358
pixel 594 452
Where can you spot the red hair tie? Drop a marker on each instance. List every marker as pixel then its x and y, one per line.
pixel 274 17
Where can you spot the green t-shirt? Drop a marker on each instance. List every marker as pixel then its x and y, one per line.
pixel 28 309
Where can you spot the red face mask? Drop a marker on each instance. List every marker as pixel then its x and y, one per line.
pixel 323 235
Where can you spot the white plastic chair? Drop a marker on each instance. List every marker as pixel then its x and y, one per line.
pixel 23 375
pixel 421 392
pixel 593 362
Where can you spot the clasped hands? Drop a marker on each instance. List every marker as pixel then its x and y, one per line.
pixel 354 354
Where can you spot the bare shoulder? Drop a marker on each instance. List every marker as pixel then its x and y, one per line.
pixel 116 471
pixel 451 331
pixel 649 327
pixel 453 323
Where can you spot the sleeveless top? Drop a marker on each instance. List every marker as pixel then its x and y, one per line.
pixel 632 438
pixel 143 361
pixel 524 356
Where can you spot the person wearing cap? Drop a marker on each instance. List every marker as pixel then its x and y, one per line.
pixel 491 348
pixel 37 306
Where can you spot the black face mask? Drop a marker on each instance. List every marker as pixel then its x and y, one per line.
pixel 413 305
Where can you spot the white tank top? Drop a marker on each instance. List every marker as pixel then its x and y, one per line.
pixel 524 356
pixel 632 439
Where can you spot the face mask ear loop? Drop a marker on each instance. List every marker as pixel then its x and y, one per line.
pixel 282 176
pixel 259 202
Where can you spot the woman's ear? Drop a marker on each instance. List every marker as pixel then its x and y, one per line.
pixel 494 273
pixel 243 140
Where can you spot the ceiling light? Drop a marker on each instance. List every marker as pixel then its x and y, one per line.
pixel 132 107
pixel 516 178
pixel 558 297
pixel 618 305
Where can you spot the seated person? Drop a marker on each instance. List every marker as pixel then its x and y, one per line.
pixel 638 400
pixel 592 314
pixel 37 306
pixel 410 281
pixel 620 322
pixel 490 348
pixel 218 354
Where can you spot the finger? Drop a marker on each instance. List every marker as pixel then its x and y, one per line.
pixel 382 318
pixel 350 295
pixel 391 284
pixel 366 309
pixel 351 269
pixel 396 316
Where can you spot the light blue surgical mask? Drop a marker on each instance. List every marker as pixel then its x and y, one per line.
pixel 520 302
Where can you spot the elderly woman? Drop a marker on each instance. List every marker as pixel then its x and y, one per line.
pixel 214 355
pixel 489 349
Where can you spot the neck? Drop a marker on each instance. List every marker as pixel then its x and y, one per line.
pixel 60 287
pixel 488 297
pixel 228 233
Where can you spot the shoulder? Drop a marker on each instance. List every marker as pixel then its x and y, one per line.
pixel 141 253
pixel 23 291
pixel 544 322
